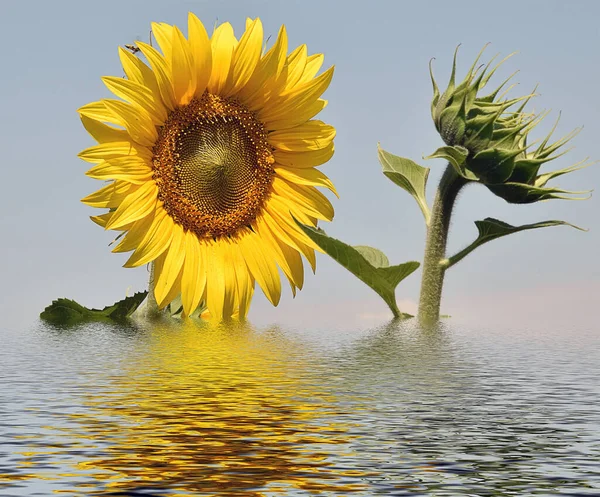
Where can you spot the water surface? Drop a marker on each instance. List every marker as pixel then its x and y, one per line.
pixel 235 410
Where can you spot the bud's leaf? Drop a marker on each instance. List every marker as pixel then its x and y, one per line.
pixel 407 175
pixel 490 229
pixel 456 156
pixel 382 279
pixel 68 312
pixel 542 179
pixel 518 193
pixel 494 165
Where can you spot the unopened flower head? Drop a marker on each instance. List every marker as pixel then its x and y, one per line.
pixel 487 137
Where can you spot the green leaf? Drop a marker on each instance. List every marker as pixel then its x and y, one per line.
pixel 68 312
pixel 123 308
pixel 374 256
pixel 490 229
pixel 457 157
pixel 518 193
pixel 408 175
pixel 363 262
pixel 494 165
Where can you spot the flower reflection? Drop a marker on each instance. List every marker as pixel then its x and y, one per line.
pixel 213 409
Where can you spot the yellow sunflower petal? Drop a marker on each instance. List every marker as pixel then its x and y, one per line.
pixel 138 95
pixel 311 135
pixel 173 293
pixel 103 133
pixel 163 33
pixel 277 216
pixel 175 287
pixel 111 195
pixel 245 58
pixel 245 283
pixel 284 255
pixel 313 64
pixel 98 111
pixel 223 43
pixel 307 198
pixel 135 206
pixel 296 106
pixel 193 279
pixel 307 176
pixel 229 279
pixel 303 114
pixel 201 52
pixel 113 150
pixel 137 122
pixel 130 168
pixel 261 85
pixel 296 63
pixel 311 158
pixel 172 265
pixel 155 242
pixel 161 71
pixel 261 266
pixel 139 72
pixel 135 234
pixel 215 280
pixel 182 68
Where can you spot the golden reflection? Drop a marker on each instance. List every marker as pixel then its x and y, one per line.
pixel 215 409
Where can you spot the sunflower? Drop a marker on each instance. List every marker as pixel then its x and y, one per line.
pixel 210 152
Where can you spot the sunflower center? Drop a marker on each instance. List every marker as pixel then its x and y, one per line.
pixel 213 166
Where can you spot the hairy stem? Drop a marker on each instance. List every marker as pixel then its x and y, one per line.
pixel 435 247
pixel 149 309
pixel 152 306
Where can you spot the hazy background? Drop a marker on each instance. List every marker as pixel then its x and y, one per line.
pixel 54 54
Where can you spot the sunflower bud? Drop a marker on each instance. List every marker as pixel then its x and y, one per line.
pixel 486 137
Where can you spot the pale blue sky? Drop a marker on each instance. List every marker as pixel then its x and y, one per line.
pixel 55 53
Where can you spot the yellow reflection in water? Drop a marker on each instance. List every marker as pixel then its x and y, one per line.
pixel 214 409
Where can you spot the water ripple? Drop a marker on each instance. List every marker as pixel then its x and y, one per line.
pixel 204 410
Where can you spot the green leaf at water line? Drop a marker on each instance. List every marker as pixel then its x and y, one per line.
pixel 408 175
pixel 67 312
pixel 490 229
pixel 368 264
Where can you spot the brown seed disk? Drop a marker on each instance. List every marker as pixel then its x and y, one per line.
pixel 213 166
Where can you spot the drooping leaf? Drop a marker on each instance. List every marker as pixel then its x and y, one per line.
pixel 457 157
pixel 407 175
pixel 124 308
pixel 65 311
pixel 68 312
pixel 490 229
pixel 380 276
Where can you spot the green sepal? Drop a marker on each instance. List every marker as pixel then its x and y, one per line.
pixel 494 165
pixel 489 229
pixel 68 312
pixel 408 175
pixel 453 121
pixel 381 278
pixel 542 179
pixel 518 193
pixel 457 157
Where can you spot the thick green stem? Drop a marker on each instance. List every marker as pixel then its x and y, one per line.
pixel 151 304
pixel 435 247
pixel 149 309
